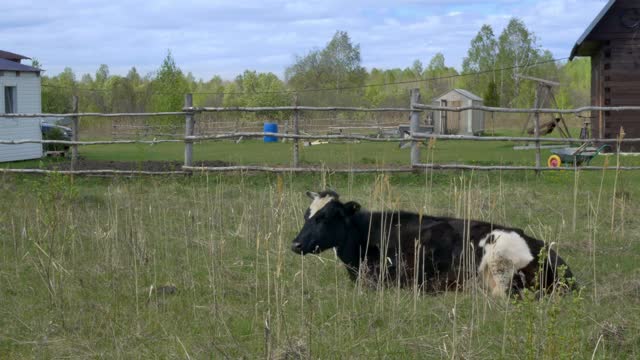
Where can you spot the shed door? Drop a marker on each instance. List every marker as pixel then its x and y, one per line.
pixel 453 125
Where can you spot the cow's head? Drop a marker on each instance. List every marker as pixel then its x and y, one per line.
pixel 326 222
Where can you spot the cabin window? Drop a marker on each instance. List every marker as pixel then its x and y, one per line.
pixel 10 99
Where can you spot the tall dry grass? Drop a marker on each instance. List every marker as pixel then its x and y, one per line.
pixel 201 268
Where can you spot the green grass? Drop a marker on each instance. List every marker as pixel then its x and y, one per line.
pixel 258 153
pixel 78 258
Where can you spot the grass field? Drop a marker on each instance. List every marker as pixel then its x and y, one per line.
pixel 334 154
pixel 340 154
pixel 200 267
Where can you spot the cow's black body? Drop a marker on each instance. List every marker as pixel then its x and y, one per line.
pixel 406 248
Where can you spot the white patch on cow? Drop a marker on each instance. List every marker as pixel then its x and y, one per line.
pixel 318 203
pixel 502 258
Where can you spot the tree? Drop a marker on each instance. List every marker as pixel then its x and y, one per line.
pixel 264 89
pixel 36 63
pixel 134 77
pixel 517 50
pixel 343 58
pixel 417 69
pixel 261 89
pixel 99 92
pixel 57 92
pixel 392 95
pixel 491 96
pixel 102 75
pixel 169 86
pixel 334 67
pixel 437 63
pixel 141 88
pixel 439 77
pixel 233 94
pixel 481 58
pixel 122 94
pixel 575 77
pixel 212 91
pixel 545 68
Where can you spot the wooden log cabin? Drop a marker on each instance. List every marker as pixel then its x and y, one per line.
pixel 612 41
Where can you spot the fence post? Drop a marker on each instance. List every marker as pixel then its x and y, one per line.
pixel 188 131
pixel 74 130
pixel 296 131
pixel 536 129
pixel 415 126
pixel 537 135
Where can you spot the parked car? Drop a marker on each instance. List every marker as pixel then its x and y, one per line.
pixel 55 132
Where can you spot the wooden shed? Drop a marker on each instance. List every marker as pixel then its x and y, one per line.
pixel 612 40
pixel 469 122
pixel 20 92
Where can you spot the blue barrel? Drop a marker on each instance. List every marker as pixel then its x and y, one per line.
pixel 272 128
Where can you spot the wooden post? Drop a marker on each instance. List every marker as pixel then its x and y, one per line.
pixel 536 129
pixel 537 136
pixel 415 126
pixel 188 131
pixel 286 130
pixel 296 131
pixel 493 123
pixel 74 129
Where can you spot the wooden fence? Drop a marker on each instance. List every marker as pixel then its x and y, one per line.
pixel 413 163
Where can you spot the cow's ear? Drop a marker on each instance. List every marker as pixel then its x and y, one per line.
pixel 351 208
pixel 333 193
pixel 312 195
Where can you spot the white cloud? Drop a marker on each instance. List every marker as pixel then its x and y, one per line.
pixel 209 37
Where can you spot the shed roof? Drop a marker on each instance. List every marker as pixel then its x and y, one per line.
pixel 8 65
pixel 12 56
pixel 583 47
pixel 466 93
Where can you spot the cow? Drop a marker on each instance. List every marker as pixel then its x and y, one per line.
pixel 406 248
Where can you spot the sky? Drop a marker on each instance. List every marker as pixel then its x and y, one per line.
pixel 222 37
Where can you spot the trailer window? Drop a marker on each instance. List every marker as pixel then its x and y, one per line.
pixel 10 99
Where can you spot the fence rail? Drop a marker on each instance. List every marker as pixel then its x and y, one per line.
pixel 98 142
pixel 91 172
pixel 514 167
pixel 415 138
pixel 95 114
pixel 527 111
pixel 253 134
pixel 298 169
pixel 293 108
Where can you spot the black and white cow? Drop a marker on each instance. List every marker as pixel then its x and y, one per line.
pixel 403 247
